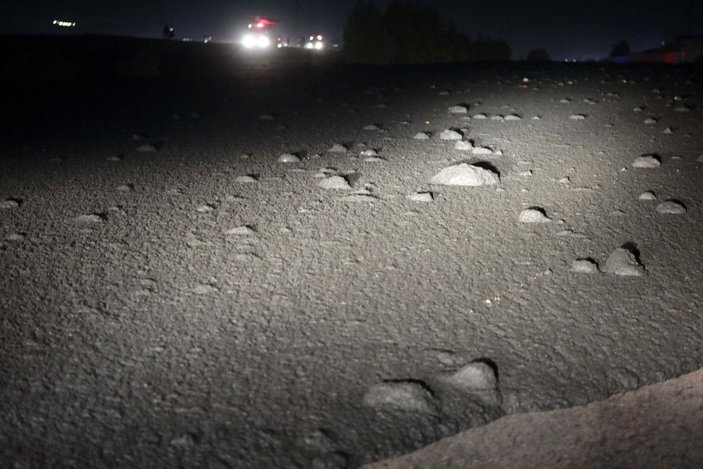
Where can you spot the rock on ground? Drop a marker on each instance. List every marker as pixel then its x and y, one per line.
pixel 584 266
pixel 623 262
pixel 334 183
pixel 533 215
pixel 465 175
pixel 646 161
pixel 671 207
pixel 405 396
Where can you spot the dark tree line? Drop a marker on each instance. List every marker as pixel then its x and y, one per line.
pixel 405 33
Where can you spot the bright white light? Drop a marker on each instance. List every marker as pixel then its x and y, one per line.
pixel 249 41
pixel 319 37
pixel 309 45
pixel 263 42
pixel 319 45
pixel 64 24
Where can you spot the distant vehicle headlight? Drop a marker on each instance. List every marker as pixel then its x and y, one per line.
pixel 319 45
pixel 263 42
pixel 309 45
pixel 249 41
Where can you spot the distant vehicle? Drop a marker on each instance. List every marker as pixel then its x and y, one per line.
pixel 260 34
pixel 316 42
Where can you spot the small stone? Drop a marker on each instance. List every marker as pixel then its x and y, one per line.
pixel 147 148
pixel 533 215
pixel 458 110
pixel 482 151
pixel 406 396
pixel 114 158
pixel 682 109
pixel 647 195
pixel 288 158
pixel 266 117
pixel 512 117
pixel 338 148
pixel 369 152
pixel 699 159
pixel 371 128
pixel 245 179
pixel 15 237
pixel 451 134
pixel 243 230
pixel 335 183
pixel 650 121
pixel 497 117
pixel 647 161
pixel 465 175
pixel 463 145
pixel 584 266
pixel 671 207
pixel 480 116
pixel 125 188
pixel 422 136
pixel 421 197
pixel 577 117
pixel 623 262
pixel 668 131
pixel 9 203
pixel 205 208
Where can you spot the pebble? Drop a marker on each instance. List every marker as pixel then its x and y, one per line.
pixel 458 109
pixel 584 266
pixel 338 148
pixel 650 121
pixel 422 136
pixel 421 197
pixel 465 175
pixel 371 128
pixel 463 145
pixel 476 376
pixel 578 117
pixel 451 134
pixel 289 158
pixel 147 148
pixel 623 262
pixel 647 161
pixel 245 179
pixel 242 230
pixel 533 215
pixel 114 158
pixel 480 116
pixel 482 151
pixel 205 208
pixel 671 207
pixel 335 183
pixel 406 396
pixel 512 117
pixel 647 195
pixel 9 203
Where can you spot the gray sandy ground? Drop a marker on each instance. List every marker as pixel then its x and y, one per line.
pixel 146 327
pixel 656 426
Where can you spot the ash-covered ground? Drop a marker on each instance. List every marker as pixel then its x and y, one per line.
pixel 266 268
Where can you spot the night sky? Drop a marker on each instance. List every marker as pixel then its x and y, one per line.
pixel 568 29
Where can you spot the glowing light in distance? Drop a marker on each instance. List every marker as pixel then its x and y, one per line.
pixel 251 41
pixel 64 24
pixel 319 45
pixel 309 45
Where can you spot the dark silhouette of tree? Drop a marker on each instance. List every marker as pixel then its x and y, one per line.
pixel 620 49
pixel 538 55
pixel 491 50
pixel 460 45
pixel 365 37
pixel 405 33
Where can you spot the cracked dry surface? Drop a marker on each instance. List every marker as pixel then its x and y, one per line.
pixel 205 319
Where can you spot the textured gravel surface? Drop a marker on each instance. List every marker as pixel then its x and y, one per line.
pixel 203 303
